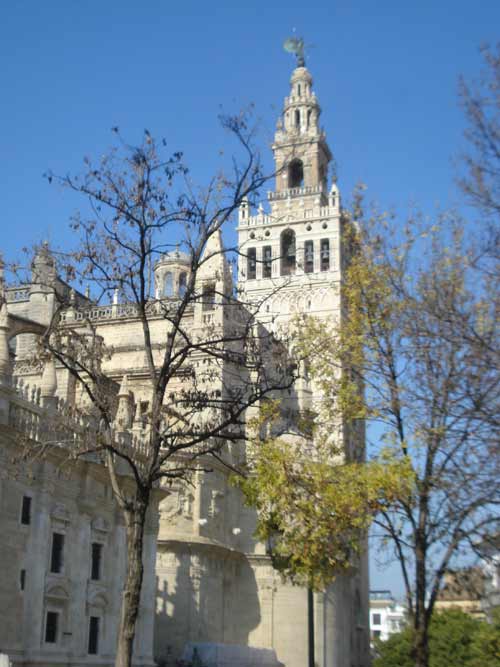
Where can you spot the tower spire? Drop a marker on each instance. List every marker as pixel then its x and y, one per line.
pixel 301 152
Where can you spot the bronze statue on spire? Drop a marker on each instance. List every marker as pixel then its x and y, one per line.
pixel 296 46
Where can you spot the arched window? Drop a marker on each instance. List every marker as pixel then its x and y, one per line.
pixel 287 252
pixel 325 255
pixel 251 264
pixel 182 283
pixel 297 118
pixel 168 285
pixel 308 257
pixel 296 174
pixel 267 259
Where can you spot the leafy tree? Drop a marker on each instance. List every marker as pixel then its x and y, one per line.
pixel 315 500
pixel 395 651
pixel 455 638
pixel 423 335
pixel 485 649
pixel 200 379
pixel 306 476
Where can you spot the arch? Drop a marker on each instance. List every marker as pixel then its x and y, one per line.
pixel 287 243
pixel 100 524
pixel 98 600
pixel 168 284
pixel 57 593
pixel 296 174
pixel 296 118
pixel 22 325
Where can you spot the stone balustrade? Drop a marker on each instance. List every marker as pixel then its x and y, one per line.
pixel 316 212
pixel 296 192
pixel 119 311
pixel 15 294
pixel 54 422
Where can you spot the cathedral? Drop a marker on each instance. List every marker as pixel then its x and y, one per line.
pixel 207 580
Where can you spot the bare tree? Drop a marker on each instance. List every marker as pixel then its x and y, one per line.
pixel 481 181
pixel 424 336
pixel 207 359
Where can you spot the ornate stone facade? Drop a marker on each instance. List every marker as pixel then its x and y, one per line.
pixel 207 579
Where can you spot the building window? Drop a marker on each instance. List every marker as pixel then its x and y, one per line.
pixel 182 283
pixel 267 256
pixel 208 297
pixel 94 635
pixel 251 264
pixel 51 627
pixel 296 174
pixel 22 580
pixel 56 558
pixel 26 511
pixel 143 413
pixel 297 118
pixel 325 255
pixel 95 571
pixel 287 252
pixel 168 286
pixel 308 257
pixel 375 619
pixel 376 634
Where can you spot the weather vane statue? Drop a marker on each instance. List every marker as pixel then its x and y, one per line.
pixel 296 46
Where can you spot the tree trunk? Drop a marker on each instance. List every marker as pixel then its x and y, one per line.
pixel 421 646
pixel 310 626
pixel 421 621
pixel 135 520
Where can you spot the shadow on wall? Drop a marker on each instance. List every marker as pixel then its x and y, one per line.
pixel 204 594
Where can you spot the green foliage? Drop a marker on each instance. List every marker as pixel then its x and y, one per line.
pixel 314 499
pixel 485 649
pixel 315 513
pixel 451 635
pixel 455 639
pixel 395 651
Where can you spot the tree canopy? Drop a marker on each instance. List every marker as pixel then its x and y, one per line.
pixel 454 639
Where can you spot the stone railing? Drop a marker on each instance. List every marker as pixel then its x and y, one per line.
pixel 121 311
pixel 296 192
pixel 19 293
pixel 316 212
pixel 53 423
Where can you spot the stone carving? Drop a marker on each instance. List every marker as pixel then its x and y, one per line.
pixel 185 503
pixel 60 513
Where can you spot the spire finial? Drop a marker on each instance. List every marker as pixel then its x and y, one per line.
pixel 296 46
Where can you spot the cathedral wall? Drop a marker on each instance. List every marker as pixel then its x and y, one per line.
pixel 74 502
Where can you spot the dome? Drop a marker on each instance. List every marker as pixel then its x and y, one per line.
pixel 174 257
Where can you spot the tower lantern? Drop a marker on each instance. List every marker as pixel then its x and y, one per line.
pixel 300 149
pixel 296 245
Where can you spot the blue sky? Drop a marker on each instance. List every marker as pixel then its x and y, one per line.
pixel 386 74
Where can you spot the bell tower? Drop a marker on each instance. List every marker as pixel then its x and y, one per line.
pixel 291 262
pixel 301 153
pixel 291 251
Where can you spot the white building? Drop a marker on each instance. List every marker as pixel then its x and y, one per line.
pixel 207 579
pixel 386 615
